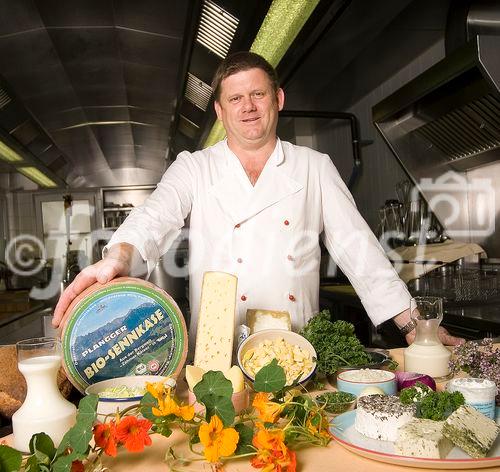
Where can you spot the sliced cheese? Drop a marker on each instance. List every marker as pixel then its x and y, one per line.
pixel 234 375
pixel 193 375
pixel 258 320
pixel 215 333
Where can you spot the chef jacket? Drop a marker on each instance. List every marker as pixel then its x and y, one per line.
pixel 267 234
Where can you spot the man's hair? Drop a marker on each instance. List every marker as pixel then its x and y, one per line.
pixel 241 61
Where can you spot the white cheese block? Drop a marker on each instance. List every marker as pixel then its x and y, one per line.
pixel 380 416
pixel 258 320
pixel 423 438
pixel 215 333
pixel 470 430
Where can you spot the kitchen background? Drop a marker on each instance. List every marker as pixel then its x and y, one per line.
pixel 69 68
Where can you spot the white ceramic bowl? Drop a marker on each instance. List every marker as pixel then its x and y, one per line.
pixel 108 406
pixel 270 334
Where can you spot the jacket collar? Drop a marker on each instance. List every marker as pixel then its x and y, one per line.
pixel 240 200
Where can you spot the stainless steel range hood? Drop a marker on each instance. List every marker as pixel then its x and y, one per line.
pixel 448 119
pixel 452 111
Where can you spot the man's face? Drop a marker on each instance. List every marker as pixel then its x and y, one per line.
pixel 248 108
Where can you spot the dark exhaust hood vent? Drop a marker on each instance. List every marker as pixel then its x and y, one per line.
pixel 448 118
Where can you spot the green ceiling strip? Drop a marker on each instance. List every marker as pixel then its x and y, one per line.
pixel 279 29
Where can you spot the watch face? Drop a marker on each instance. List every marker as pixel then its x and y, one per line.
pixel 126 327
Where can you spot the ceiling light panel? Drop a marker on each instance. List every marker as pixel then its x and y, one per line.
pixel 8 154
pixel 198 92
pixel 37 176
pixel 216 29
pixel 4 98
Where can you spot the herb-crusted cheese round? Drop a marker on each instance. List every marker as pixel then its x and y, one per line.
pixel 125 327
pixel 380 416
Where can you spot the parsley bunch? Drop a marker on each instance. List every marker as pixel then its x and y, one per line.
pixel 432 405
pixel 335 343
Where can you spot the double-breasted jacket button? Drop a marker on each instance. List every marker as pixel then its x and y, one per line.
pixel 237 225
pixel 290 257
pixel 243 298
pixel 239 260
pixel 291 297
pixel 286 222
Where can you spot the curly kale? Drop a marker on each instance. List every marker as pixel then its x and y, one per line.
pixel 414 394
pixel 335 343
pixel 438 406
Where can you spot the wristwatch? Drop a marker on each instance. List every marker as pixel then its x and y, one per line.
pixel 408 327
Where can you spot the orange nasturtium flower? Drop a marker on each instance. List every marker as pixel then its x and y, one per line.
pixel 158 389
pixel 168 406
pixel 77 466
pixel 105 437
pixel 318 424
pixel 272 453
pixel 268 411
pixel 218 441
pixel 133 433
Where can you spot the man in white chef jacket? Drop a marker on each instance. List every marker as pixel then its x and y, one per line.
pixel 257 207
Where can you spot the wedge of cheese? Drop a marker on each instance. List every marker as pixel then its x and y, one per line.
pixel 423 438
pixel 215 333
pixel 234 374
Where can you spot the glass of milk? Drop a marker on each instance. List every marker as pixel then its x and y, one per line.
pixel 44 409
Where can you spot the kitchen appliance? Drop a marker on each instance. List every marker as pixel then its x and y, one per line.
pixel 444 126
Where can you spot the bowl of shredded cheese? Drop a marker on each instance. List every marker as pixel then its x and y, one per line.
pixel 122 392
pixel 292 351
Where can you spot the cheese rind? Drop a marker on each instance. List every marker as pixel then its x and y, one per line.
pixel 380 416
pixel 215 333
pixel 471 431
pixel 423 438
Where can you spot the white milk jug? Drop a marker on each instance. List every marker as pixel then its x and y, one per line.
pixel 44 409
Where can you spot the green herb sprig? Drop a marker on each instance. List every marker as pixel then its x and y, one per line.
pixel 335 343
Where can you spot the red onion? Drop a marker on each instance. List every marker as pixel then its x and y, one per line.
pixel 409 379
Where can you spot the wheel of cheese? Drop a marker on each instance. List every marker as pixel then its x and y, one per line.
pixel 125 327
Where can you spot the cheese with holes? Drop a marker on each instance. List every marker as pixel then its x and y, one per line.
pixel 215 333
pixel 423 438
pixel 258 320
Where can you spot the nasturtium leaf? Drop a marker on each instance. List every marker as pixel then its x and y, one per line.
pixel 270 378
pixel 163 429
pixel 33 465
pixel 220 406
pixel 215 384
pixel 245 440
pixel 87 410
pixel 63 464
pixel 147 403
pixel 10 459
pixel 42 443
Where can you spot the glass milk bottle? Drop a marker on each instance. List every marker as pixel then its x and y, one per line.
pixel 44 409
pixel 427 355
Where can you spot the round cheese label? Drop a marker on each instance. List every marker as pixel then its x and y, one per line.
pixel 125 327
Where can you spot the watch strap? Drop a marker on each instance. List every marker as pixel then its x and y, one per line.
pixel 408 327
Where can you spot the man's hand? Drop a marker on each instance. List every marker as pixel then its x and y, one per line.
pixel 446 338
pixel 117 263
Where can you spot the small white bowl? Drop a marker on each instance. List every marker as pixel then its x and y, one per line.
pixel 107 406
pixel 270 334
